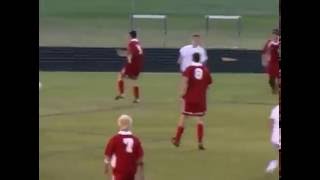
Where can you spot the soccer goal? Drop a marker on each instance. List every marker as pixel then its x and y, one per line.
pixel 163 18
pixel 215 18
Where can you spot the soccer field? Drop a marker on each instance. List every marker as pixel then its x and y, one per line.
pixel 104 23
pixel 78 114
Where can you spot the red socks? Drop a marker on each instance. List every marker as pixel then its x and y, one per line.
pixel 200 132
pixel 120 87
pixel 136 92
pixel 179 133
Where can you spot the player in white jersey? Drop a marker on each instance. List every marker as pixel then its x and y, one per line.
pixel 275 137
pixel 186 53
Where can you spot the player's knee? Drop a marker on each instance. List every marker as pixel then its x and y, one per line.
pixel 200 120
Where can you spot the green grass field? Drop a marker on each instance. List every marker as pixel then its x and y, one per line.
pixel 104 23
pixel 78 113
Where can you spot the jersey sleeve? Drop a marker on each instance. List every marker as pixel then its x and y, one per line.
pixel 109 150
pixel 265 47
pixel 187 72
pixel 204 56
pixel 130 47
pixel 209 76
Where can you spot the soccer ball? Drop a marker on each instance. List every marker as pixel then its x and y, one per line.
pixel 40 85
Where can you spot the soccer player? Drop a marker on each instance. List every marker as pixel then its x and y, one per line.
pixel 186 53
pixel 270 59
pixel 275 135
pixel 124 153
pixel 132 68
pixel 195 82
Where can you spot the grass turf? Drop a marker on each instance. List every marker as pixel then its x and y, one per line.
pixel 78 113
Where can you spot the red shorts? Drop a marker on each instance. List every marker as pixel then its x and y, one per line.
pixel 130 71
pixel 273 71
pixel 194 109
pixel 123 177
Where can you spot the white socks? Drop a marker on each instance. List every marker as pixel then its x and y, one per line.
pixel 272 166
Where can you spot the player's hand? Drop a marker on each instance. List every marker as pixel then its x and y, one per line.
pixel 122 52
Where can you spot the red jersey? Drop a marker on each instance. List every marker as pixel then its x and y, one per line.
pixel 272 49
pixel 124 149
pixel 198 81
pixel 136 52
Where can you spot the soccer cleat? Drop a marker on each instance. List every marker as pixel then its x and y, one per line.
pixel 201 147
pixel 174 142
pixel 272 166
pixel 119 97
pixel 136 101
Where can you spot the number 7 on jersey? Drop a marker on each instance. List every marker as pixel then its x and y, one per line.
pixel 129 144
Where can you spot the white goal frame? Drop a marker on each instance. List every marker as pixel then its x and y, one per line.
pixel 238 20
pixel 151 17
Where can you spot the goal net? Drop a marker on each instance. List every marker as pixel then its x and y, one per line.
pixel 151 28
pixel 223 31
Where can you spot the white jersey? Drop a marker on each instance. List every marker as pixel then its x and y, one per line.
pixel 275 133
pixel 186 53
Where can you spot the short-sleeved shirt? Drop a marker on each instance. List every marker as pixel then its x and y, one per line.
pixel 186 53
pixel 136 51
pixel 125 150
pixel 198 81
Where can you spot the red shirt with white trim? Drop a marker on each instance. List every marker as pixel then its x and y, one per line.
pixel 199 79
pixel 136 51
pixel 124 149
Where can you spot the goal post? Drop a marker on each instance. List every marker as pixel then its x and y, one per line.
pixel 162 18
pixel 214 18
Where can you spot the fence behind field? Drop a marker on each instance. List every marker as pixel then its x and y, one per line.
pixel 156 60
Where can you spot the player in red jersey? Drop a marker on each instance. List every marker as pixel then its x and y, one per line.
pixel 195 82
pixel 124 153
pixel 132 68
pixel 270 59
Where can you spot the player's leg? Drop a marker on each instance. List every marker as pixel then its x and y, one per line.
pixel 120 84
pixel 200 132
pixel 280 162
pixel 273 164
pixel 179 130
pixel 272 83
pixel 135 89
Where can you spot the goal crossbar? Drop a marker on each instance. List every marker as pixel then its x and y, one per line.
pixel 150 17
pixel 224 17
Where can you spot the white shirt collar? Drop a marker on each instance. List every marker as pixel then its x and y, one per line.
pixel 134 40
pixel 125 132
pixel 196 64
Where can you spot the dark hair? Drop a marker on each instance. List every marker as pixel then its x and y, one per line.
pixel 196 57
pixel 276 31
pixel 133 34
pixel 196 35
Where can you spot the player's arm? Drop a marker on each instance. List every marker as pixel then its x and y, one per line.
pixel 265 56
pixel 122 52
pixel 129 56
pixel 107 166
pixel 204 57
pixel 140 162
pixel 109 150
pixel 140 170
pixel 184 85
